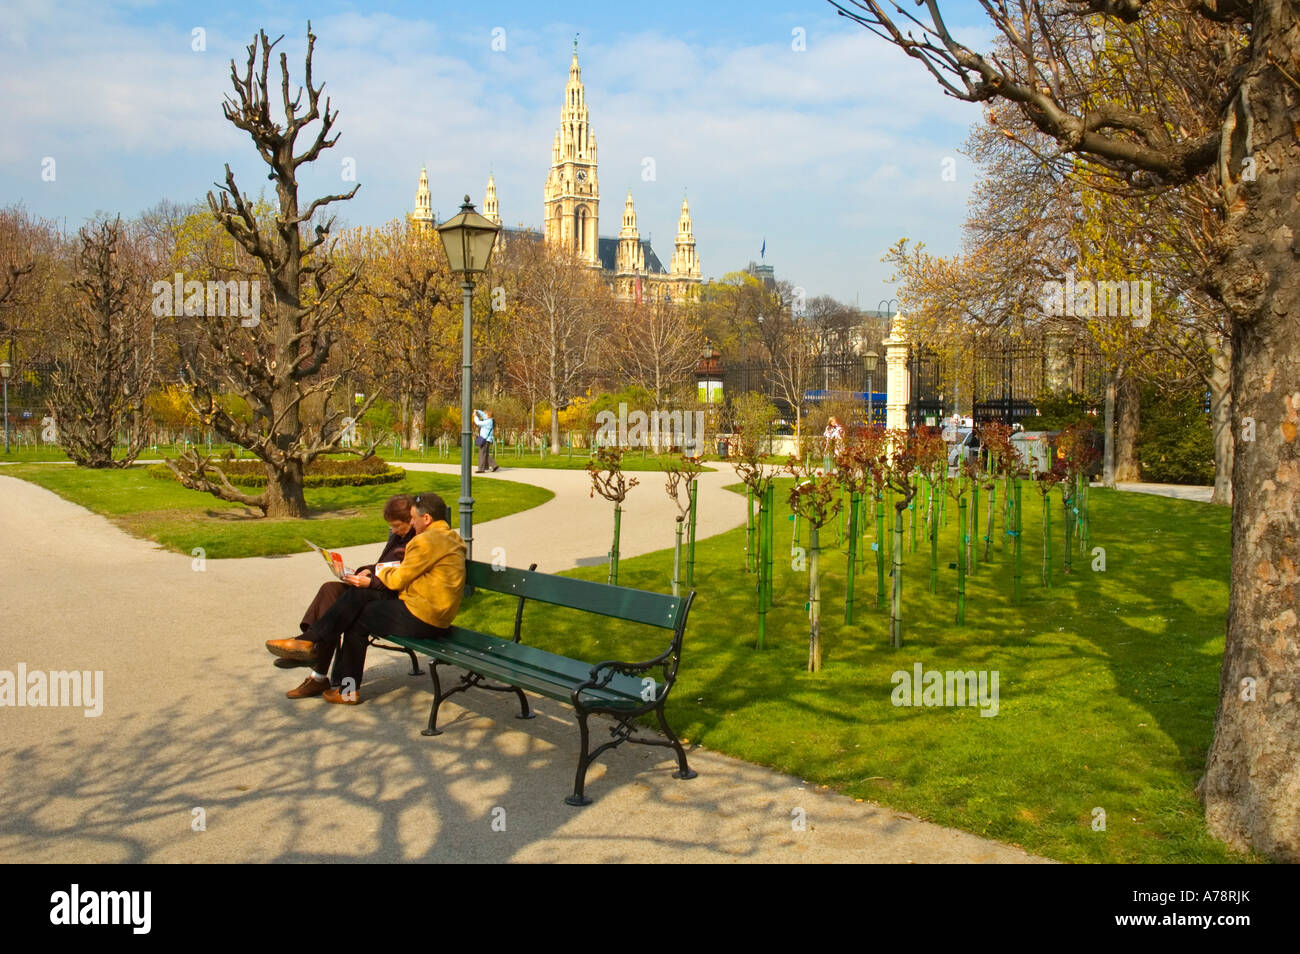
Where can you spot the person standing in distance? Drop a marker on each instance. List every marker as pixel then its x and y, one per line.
pixel 486 431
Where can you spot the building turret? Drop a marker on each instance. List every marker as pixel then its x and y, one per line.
pixel 423 215
pixel 630 257
pixel 490 210
pixel 684 263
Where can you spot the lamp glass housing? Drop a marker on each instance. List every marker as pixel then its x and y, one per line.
pixel 469 239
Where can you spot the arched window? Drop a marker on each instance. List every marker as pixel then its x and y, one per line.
pixel 580 229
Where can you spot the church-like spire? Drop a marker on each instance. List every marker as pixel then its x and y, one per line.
pixel 572 196
pixel 490 210
pixel 630 256
pixel 684 262
pixel 423 214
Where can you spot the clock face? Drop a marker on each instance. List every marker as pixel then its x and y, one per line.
pixel 582 176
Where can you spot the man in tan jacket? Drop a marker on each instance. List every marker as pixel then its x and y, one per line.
pixel 429 582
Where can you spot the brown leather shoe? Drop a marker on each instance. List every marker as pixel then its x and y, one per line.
pixel 304 650
pixel 311 686
pixel 336 695
pixel 283 663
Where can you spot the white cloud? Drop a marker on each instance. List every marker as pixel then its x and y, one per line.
pixel 828 153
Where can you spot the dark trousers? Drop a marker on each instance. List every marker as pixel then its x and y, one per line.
pixel 485 459
pixel 380 618
pixel 334 620
pixel 325 598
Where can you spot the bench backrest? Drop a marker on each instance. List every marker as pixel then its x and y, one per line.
pixel 618 602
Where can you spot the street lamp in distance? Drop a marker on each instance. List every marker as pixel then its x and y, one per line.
pixel 468 239
pixel 5 369
pixel 869 362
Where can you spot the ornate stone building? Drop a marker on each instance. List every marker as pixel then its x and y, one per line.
pixel 571 214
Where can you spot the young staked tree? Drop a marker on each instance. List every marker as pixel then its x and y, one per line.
pixel 104 367
pixel 815 496
pixel 1250 85
pixel 276 361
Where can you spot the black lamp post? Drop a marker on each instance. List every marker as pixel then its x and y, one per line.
pixel 869 362
pixel 468 239
pixel 5 369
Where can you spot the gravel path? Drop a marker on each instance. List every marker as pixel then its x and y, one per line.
pixel 195 727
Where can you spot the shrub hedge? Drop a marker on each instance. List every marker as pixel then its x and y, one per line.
pixel 352 472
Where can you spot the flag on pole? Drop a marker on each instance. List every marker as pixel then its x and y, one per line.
pixel 763 253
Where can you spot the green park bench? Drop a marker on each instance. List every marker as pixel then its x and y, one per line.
pixel 621 690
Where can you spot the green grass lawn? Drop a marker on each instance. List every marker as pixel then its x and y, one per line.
pixel 29 453
pixel 1108 681
pixel 182 519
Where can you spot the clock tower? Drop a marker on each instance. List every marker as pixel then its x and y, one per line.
pixel 572 197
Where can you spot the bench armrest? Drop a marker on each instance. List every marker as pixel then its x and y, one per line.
pixel 603 672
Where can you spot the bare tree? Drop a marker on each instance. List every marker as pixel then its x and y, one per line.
pixel 791 344
pixel 105 364
pixel 656 346
pixel 566 307
pixel 411 313
pixel 1252 91
pixel 277 362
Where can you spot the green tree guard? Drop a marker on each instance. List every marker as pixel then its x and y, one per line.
pixel 1083 533
pixel 771 510
pixel 896 600
pixel 1047 541
pixel 855 503
pixel 880 550
pixel 992 517
pixel 1016 536
pixel 1069 526
pixel 972 541
pixel 934 555
pixel 961 562
pixel 761 566
pixel 677 556
pixel 912 508
pixel 814 600
pixel 750 561
pixel 613 553
pixel 690 546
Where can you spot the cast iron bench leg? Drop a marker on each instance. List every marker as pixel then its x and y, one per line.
pixel 432 728
pixel 683 770
pixel 577 799
pixel 524 711
pixel 415 666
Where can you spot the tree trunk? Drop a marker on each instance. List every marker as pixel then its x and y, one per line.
pixel 1219 381
pixel 419 403
pixel 1108 454
pixel 284 496
pixel 403 416
pixel 1252 780
pixel 555 424
pixel 1130 421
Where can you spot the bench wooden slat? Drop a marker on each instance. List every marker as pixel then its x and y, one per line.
pixel 619 602
pixel 527 667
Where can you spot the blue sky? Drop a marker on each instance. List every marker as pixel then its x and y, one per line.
pixel 830 152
